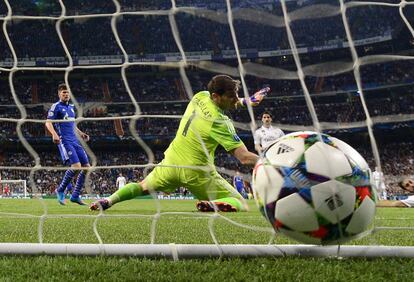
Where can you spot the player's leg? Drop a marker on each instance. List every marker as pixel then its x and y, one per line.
pixel 60 190
pixel 160 179
pixel 69 188
pixel 66 153
pixel 128 192
pixel 214 192
pixel 80 180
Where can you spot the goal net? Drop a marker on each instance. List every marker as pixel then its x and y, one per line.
pixel 13 188
pixel 340 67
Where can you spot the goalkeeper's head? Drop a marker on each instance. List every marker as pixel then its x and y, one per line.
pixel 224 91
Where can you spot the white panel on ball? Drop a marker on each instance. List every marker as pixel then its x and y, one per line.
pixel 325 160
pixel 286 151
pixel 267 182
pixel 351 153
pixel 294 212
pixel 362 217
pixel 333 200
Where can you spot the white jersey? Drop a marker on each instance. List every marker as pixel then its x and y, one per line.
pixel 120 181
pixel 409 202
pixel 379 181
pixel 264 136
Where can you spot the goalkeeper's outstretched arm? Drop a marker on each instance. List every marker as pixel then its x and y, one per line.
pixel 255 99
pixel 244 156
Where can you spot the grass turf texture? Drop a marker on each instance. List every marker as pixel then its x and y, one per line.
pixel 19 220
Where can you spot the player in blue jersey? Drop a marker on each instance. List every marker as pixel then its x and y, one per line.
pixel 71 151
pixel 238 183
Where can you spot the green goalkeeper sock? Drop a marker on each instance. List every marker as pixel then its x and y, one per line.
pixel 129 191
pixel 232 201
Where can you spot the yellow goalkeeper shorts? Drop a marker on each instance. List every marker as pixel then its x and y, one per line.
pixel 203 185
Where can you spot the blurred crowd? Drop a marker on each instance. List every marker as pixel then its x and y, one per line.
pixel 161 119
pixel 161 93
pixel 397 160
pixel 156 84
pixel 203 29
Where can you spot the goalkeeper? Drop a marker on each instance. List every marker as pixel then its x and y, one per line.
pixel 189 160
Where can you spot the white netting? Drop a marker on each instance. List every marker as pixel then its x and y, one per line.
pixel 288 19
pixel 13 188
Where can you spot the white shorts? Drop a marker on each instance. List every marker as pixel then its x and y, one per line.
pixel 409 202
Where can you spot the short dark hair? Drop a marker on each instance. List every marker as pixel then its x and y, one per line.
pixel 62 86
pixel 222 83
pixel 267 113
pixel 402 185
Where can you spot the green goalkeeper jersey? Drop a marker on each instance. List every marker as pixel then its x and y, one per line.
pixel 203 127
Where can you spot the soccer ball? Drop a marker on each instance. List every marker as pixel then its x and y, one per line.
pixel 315 188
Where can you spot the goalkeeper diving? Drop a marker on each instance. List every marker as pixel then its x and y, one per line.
pixel 189 160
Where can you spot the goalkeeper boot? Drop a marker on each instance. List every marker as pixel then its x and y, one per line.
pixel 102 204
pixel 207 206
pixel 60 197
pixel 77 200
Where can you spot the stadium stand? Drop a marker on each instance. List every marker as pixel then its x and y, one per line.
pixel 388 86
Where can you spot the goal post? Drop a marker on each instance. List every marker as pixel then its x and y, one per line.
pixel 14 188
pixel 190 251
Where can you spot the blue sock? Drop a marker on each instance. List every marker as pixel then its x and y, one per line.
pixel 69 174
pixel 79 184
pixel 69 187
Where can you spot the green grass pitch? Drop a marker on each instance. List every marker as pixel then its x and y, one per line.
pixel 131 221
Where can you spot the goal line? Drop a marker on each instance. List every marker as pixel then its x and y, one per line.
pixel 189 251
pixel 186 251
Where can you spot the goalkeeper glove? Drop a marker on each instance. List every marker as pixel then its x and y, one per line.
pixel 256 98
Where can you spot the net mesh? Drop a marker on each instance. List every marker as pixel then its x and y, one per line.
pixel 299 88
pixel 13 188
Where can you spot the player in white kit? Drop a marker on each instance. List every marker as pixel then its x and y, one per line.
pixel 408 185
pixel 120 181
pixel 266 134
pixel 379 181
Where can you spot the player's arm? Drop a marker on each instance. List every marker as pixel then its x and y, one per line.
pixel 391 204
pixel 224 133
pixel 255 99
pixel 52 115
pixel 244 156
pixel 82 134
pixel 51 129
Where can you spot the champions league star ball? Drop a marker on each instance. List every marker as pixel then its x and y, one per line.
pixel 315 189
